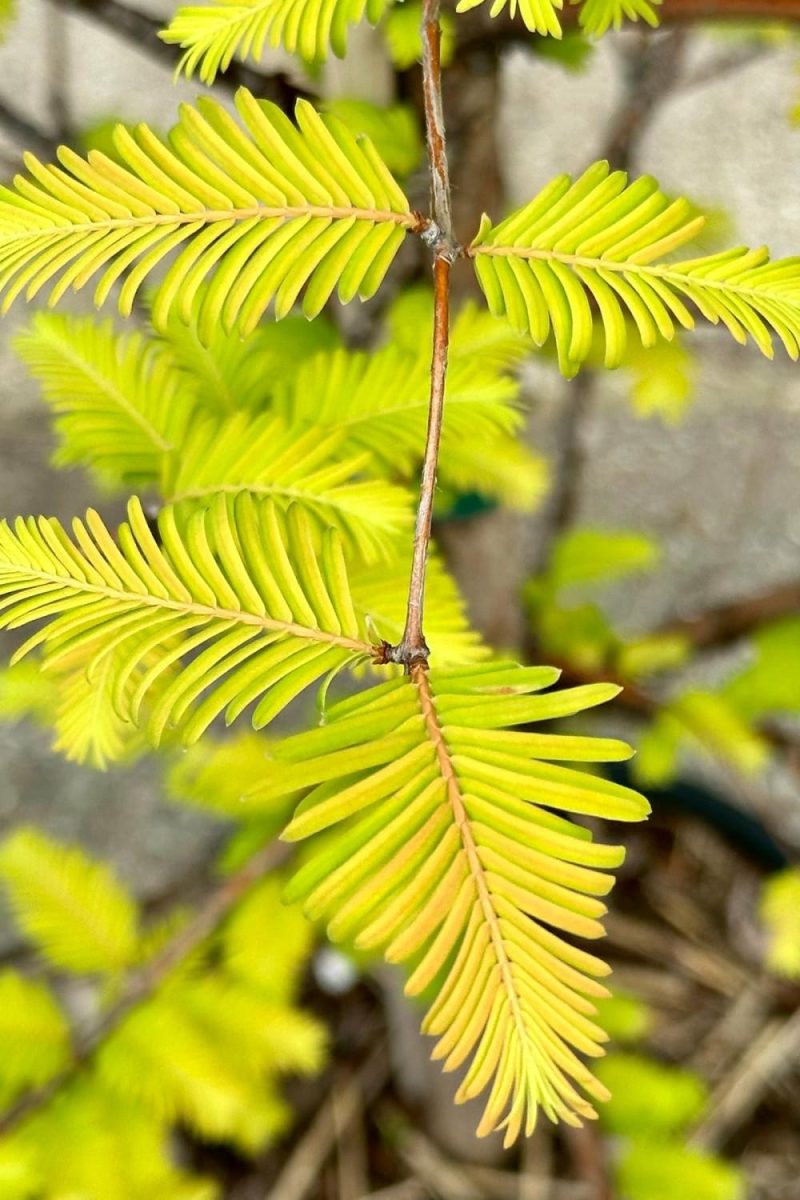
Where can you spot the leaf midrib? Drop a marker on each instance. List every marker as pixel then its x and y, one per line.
pixel 669 273
pixel 110 390
pixel 435 733
pixel 207 216
pixel 234 616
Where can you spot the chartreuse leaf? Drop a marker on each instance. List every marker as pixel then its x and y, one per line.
pixel 89 1142
pixel 779 910
pixel 119 401
pixel 587 555
pixel 73 909
pixel 76 703
pixel 276 973
pixel 393 130
pixel 263 606
pixel 597 16
pixel 379 402
pixel 213 34
pixel 540 16
pixel 34 1035
pixel 266 456
pixel 402 31
pixel 228 372
pixel 675 1097
pixel 442 845
pixel 216 777
pixel 599 240
pixel 767 684
pixel 259 208
pixel 658 1170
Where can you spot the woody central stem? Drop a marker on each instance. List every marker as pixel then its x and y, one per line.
pixel 412 648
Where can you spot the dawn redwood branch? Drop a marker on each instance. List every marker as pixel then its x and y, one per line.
pixel 142 30
pixel 438 234
pixel 142 983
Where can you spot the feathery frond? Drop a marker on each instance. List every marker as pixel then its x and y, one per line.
pixel 120 403
pixel 89 728
pixel 227 372
pixel 265 456
pixel 539 16
pixel 34 1035
pixel 599 239
pixel 598 16
pixel 212 34
pixel 244 589
pixel 89 1142
pixel 261 209
pixel 73 909
pixel 379 402
pixel 441 851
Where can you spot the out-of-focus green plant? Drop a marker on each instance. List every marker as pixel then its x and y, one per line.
pixel 779 910
pixel 652 1108
pixel 204 1045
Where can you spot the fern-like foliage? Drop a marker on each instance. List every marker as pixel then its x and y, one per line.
pixel 266 456
pixel 540 16
pixel 439 848
pixel 127 409
pixel 379 403
pixel 595 17
pixel 120 403
pixel 262 209
pixel 598 16
pixel 34 1036
pixel 73 909
pixel 213 34
pixel 263 608
pixel 602 240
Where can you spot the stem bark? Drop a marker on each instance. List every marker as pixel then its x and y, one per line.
pixel 412 649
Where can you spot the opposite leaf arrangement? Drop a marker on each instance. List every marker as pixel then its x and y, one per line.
pixel 277 554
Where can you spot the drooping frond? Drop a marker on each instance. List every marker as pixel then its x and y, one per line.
pixel 440 849
pixel 212 34
pixel 73 909
pixel 601 240
pixel 120 403
pixel 381 597
pixel 540 16
pixel 598 16
pixel 264 609
pixel 261 209
pixel 265 456
pixel 379 402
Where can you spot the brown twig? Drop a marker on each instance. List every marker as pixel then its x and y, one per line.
pixel 412 647
pixel 143 983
